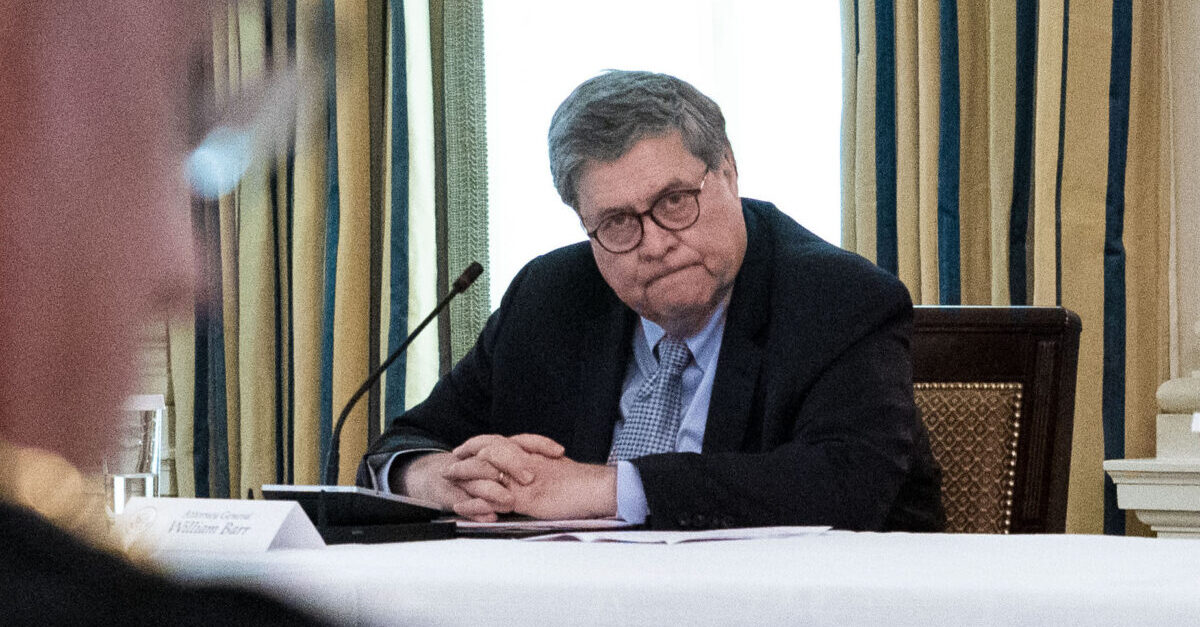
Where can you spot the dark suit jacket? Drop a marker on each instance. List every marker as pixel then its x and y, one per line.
pixel 811 421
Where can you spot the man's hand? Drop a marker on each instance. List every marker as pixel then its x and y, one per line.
pixel 526 474
pixel 563 489
pixel 484 469
pixel 423 478
pixel 553 488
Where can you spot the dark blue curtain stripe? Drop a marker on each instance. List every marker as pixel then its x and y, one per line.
pixel 287 457
pixel 856 27
pixel 200 406
pixel 1062 136
pixel 281 323
pixel 1022 189
pixel 206 300
pixel 885 136
pixel 949 284
pixel 218 414
pixel 1113 396
pixel 289 473
pixel 280 275
pixel 210 454
pixel 332 218
pixel 377 33
pixel 398 327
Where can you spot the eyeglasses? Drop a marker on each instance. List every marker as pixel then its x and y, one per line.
pixel 675 210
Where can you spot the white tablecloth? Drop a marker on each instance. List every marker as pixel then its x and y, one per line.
pixel 838 578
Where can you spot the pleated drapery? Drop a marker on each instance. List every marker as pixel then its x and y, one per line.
pixel 327 253
pixel 1010 153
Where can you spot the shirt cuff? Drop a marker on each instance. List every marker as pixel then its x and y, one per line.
pixel 381 464
pixel 631 496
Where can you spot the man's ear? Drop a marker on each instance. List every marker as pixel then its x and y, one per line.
pixel 729 171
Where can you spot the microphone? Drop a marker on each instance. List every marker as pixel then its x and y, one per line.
pixel 354 514
pixel 332 456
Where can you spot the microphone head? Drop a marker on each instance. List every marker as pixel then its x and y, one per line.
pixel 468 276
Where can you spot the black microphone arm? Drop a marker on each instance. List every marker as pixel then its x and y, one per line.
pixel 332 456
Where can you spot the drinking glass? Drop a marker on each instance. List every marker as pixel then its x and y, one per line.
pixel 132 467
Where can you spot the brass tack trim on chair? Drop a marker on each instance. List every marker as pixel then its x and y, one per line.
pixel 974 430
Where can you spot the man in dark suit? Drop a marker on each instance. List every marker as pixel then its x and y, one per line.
pixel 703 361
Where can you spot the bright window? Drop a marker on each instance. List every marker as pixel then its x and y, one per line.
pixel 773 67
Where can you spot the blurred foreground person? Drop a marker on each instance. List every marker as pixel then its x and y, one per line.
pixel 94 236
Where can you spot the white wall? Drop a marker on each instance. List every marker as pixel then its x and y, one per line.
pixel 774 67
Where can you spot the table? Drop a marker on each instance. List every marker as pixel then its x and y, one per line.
pixel 838 578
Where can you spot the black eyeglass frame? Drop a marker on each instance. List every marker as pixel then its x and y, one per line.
pixel 641 216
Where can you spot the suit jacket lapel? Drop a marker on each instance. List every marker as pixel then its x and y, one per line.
pixel 741 347
pixel 606 354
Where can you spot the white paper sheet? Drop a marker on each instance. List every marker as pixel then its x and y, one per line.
pixel 539 526
pixel 677 537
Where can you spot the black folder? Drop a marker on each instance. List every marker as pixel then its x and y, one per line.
pixel 352 514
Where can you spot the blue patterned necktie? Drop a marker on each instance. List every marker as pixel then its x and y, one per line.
pixel 653 420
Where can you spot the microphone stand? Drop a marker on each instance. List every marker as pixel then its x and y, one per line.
pixel 354 514
pixel 333 454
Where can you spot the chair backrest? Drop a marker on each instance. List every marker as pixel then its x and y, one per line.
pixel 996 389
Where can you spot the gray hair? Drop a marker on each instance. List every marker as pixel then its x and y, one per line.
pixel 606 115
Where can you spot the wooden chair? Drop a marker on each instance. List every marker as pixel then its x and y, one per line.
pixel 996 389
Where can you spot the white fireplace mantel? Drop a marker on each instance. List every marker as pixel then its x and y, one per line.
pixel 1164 491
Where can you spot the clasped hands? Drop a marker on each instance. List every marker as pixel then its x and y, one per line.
pixel 526 474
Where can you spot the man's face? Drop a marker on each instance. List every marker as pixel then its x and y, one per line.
pixel 675 279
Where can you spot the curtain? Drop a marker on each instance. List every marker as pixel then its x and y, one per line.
pixel 337 243
pixel 1012 154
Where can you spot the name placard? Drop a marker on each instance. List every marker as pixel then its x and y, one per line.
pixel 220 525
